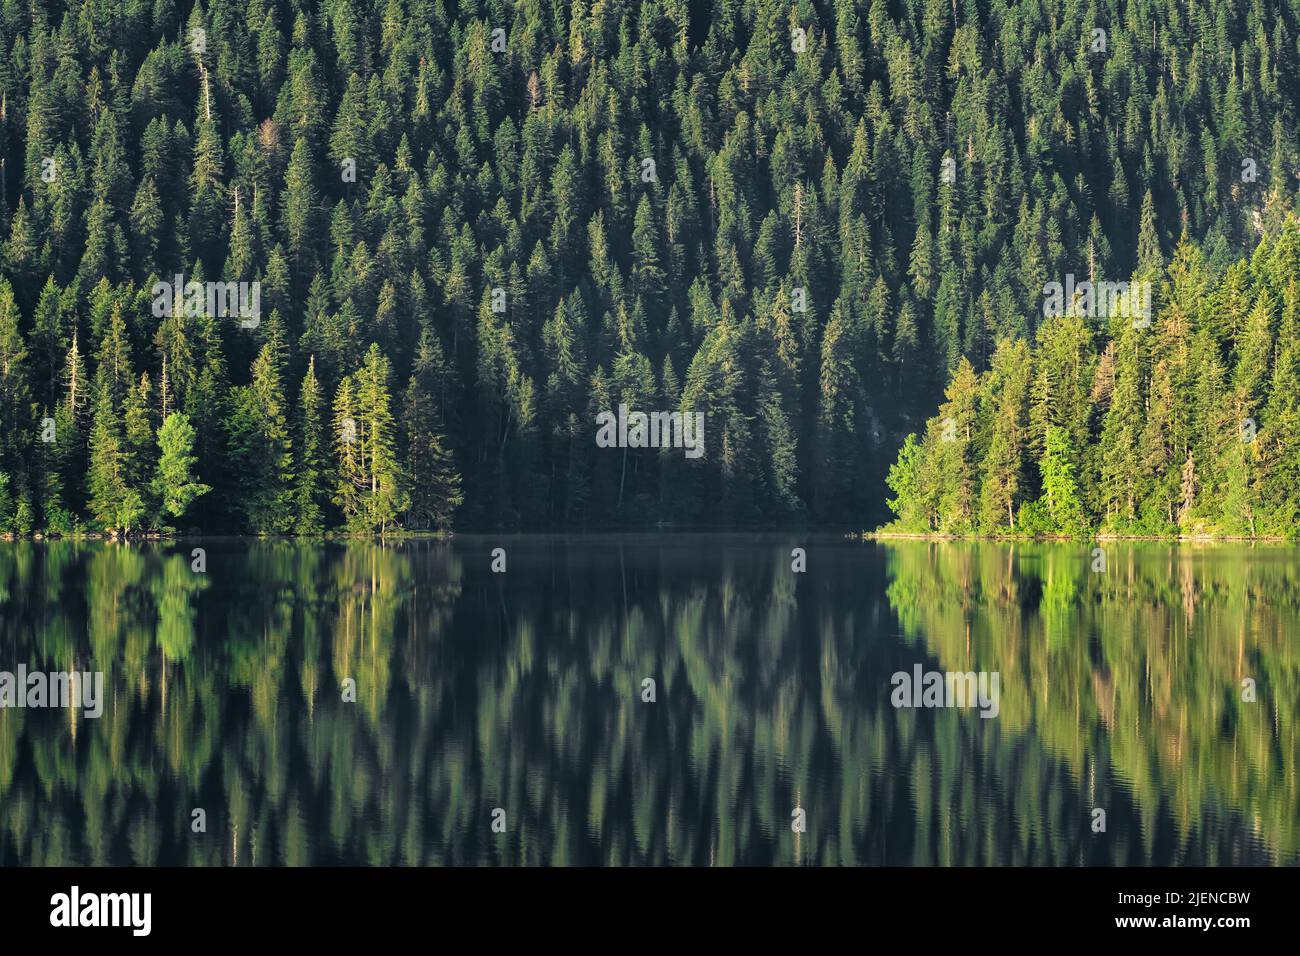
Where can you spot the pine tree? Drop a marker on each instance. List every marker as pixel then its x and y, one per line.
pixel 175 483
pixel 1060 488
pixel 138 435
pixel 435 492
pixel 955 427
pixel 370 486
pixel 15 391
pixel 349 457
pixel 839 439
pixel 1003 464
pixel 311 463
pixel 261 448
pixel 1120 437
pixel 113 502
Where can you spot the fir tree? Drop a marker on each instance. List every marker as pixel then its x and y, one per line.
pixel 311 463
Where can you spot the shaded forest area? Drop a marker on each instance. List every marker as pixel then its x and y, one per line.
pixel 476 225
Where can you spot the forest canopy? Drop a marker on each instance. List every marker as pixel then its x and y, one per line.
pixel 1188 426
pixel 474 226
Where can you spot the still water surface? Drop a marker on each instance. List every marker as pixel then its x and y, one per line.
pixel 523 690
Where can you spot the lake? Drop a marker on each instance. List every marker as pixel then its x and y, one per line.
pixel 403 703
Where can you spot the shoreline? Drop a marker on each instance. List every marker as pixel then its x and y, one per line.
pixel 879 535
pixel 1018 539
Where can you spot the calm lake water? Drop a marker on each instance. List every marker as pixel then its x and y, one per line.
pixel 224 690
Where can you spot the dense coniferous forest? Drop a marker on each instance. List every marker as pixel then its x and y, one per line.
pixel 474 226
pixel 1187 426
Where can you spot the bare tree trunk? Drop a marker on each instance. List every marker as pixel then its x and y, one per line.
pixel 621 476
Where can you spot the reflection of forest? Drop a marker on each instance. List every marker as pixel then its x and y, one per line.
pixel 523 691
pixel 1138 668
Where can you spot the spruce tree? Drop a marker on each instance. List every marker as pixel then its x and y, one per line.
pixel 311 461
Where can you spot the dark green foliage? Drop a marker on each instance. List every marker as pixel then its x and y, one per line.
pixel 630 203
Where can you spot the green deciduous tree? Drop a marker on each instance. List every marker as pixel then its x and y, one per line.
pixel 175 483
